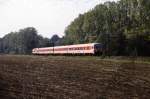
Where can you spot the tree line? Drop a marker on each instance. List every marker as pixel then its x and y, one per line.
pixel 122 27
pixel 24 41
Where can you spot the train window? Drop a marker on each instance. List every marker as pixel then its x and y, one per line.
pixel 88 48
pixel 98 46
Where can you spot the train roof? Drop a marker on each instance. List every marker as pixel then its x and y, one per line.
pixel 83 44
pixel 74 45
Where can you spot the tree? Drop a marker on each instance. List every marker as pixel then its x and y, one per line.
pixel 22 42
pixel 29 39
pixel 55 40
pixel 122 27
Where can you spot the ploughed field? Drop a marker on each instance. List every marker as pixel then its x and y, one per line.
pixel 60 77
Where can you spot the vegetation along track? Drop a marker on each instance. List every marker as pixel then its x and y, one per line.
pixel 60 77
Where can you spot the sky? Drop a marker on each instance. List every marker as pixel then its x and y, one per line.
pixel 49 17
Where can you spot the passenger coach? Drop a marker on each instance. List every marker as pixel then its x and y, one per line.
pixel 79 49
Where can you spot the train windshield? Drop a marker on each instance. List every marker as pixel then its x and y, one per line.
pixel 98 46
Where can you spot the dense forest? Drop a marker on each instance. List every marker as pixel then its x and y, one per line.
pixel 122 27
pixel 24 41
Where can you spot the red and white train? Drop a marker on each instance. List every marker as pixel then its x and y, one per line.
pixel 79 49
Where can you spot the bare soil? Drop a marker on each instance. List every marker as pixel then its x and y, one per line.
pixel 60 77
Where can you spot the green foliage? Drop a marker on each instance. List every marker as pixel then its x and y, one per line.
pixel 122 27
pixel 22 42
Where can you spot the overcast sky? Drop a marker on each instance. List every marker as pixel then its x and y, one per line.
pixel 47 16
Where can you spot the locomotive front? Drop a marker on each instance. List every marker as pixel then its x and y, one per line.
pixel 98 49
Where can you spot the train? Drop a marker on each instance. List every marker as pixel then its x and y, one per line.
pixel 77 49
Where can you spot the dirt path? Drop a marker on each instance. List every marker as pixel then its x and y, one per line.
pixel 36 77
